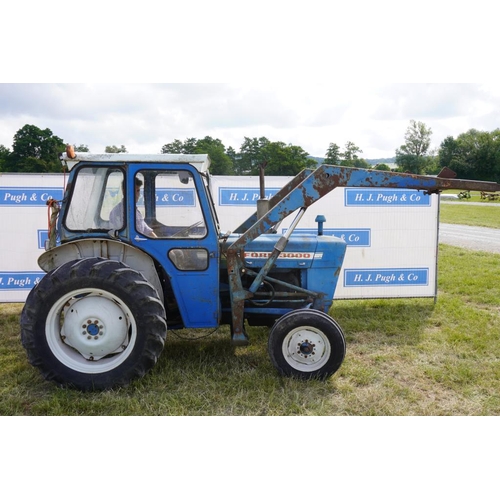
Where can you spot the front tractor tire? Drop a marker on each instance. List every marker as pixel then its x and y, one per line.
pixel 306 344
pixel 93 324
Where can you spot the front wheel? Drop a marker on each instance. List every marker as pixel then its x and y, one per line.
pixel 93 324
pixel 306 344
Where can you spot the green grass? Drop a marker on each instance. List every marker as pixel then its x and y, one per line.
pixel 470 215
pixel 404 357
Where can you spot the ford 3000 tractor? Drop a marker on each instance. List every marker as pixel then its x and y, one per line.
pixel 123 262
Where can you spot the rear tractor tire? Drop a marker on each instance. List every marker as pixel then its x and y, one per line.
pixel 93 324
pixel 306 344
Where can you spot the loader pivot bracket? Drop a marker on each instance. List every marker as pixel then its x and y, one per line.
pixel 447 173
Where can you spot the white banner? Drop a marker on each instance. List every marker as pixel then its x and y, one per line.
pixel 391 234
pixel 24 227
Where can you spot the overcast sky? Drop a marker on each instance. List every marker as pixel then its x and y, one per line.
pixel 314 50
pixel 144 117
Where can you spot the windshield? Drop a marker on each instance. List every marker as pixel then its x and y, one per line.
pixel 96 191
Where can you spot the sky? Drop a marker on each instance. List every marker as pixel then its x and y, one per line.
pixel 308 74
pixel 144 117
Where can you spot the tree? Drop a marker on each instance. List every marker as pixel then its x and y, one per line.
pixel 178 147
pixel 252 154
pixel 233 156
pixel 472 155
pixel 172 148
pixel 382 166
pixel 333 154
pixel 115 149
pixel 280 158
pixel 361 163
pixel 221 163
pixel 449 152
pixel 4 154
pixel 35 150
pixel 350 155
pixel 82 148
pixel 412 156
pixel 349 158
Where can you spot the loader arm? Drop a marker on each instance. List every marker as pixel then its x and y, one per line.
pixel 300 195
pixel 327 177
pixel 282 193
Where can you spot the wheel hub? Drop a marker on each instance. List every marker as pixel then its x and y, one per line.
pixel 93 329
pixel 95 326
pixel 306 348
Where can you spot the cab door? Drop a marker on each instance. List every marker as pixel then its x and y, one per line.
pixel 174 223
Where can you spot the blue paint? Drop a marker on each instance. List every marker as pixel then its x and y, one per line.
pixel 386 277
pixel 43 236
pixel 242 196
pixel 385 198
pixel 33 197
pixel 175 197
pixel 19 280
pixel 352 237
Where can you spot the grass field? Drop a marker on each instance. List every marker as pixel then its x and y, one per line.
pixel 404 357
pixel 471 215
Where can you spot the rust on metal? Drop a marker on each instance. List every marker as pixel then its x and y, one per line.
pixel 302 192
pixel 447 173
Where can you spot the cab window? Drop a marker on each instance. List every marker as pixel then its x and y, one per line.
pixel 95 193
pixel 170 205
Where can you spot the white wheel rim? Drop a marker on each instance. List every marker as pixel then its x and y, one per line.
pixel 306 349
pixel 90 330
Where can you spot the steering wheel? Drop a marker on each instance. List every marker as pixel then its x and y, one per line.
pixel 186 230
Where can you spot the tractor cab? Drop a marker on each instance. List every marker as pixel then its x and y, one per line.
pixel 161 206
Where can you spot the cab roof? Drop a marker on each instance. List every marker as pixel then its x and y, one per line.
pixel 201 161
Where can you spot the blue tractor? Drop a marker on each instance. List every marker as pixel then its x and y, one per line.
pixel 135 245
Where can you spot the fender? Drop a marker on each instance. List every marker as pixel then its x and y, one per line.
pixel 108 249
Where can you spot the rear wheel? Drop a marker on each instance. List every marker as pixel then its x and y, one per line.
pixel 306 344
pixel 93 324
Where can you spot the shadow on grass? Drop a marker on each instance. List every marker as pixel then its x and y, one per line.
pixel 213 354
pixel 374 322
pixel 207 375
pixel 397 322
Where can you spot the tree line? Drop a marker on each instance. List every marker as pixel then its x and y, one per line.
pixel 472 155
